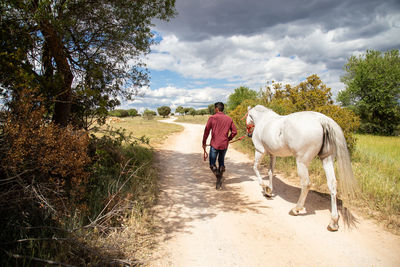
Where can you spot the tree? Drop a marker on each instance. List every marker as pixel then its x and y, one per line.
pixel 373 90
pixel 132 112
pixel 202 111
pixel 164 111
pixel 242 93
pixel 179 110
pixel 192 111
pixel 80 54
pixel 308 95
pixel 211 109
pixel 149 114
pixel 186 110
pixel 311 95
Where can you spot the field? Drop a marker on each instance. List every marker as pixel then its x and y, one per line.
pixel 153 129
pixel 376 165
pixel 198 119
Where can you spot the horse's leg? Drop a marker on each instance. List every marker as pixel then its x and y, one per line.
pixel 257 158
pixel 271 170
pixel 327 163
pixel 302 170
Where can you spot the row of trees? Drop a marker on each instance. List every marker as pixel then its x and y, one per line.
pixel 162 111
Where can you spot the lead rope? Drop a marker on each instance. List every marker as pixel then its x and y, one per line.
pixel 205 155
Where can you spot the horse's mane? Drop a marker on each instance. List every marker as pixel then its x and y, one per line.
pixel 260 108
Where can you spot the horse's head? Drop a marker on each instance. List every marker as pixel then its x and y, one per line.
pixel 250 121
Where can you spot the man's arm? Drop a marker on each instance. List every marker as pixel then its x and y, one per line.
pixel 206 131
pixel 233 131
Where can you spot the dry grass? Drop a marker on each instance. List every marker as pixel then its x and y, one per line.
pixel 133 240
pixel 197 119
pixel 153 129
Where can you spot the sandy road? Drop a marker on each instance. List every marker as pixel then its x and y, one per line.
pixel 237 226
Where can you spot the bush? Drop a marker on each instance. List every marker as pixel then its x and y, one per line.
pixel 61 189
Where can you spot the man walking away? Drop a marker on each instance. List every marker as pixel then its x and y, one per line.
pixel 220 126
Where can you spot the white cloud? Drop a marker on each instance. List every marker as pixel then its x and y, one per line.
pixel 264 41
pixel 174 97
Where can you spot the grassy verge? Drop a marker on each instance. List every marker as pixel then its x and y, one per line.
pixel 197 119
pixel 376 166
pixel 130 235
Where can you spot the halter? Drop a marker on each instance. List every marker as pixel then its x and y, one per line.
pixel 249 127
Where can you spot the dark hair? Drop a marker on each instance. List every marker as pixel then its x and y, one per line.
pixel 219 105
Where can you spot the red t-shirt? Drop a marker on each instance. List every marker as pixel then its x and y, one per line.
pixel 220 124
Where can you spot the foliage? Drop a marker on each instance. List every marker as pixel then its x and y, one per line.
pixel 133 112
pixel 43 155
pixel 149 114
pixel 164 111
pixel 203 111
pixel 242 93
pixel 310 95
pixel 62 188
pixel 373 90
pixel 43 180
pixel 123 113
pixel 192 111
pixel 81 55
pixel 179 110
pixel 211 109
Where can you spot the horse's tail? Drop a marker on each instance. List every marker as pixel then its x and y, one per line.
pixel 334 143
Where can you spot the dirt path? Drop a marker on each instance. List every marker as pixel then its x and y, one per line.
pixel 237 226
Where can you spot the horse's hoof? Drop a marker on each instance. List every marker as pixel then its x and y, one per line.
pixel 332 228
pixel 333 225
pixel 267 194
pixel 267 191
pixel 294 212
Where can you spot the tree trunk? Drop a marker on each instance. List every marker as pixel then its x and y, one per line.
pixel 63 97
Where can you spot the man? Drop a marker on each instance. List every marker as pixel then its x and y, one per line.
pixel 221 125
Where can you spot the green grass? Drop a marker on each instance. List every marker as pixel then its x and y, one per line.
pixel 376 165
pixel 197 119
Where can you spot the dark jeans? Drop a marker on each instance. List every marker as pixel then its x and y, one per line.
pixel 214 153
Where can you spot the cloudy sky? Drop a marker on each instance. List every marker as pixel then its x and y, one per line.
pixel 214 46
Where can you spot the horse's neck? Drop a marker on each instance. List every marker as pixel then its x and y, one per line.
pixel 264 117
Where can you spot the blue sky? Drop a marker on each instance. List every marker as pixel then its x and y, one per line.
pixel 212 47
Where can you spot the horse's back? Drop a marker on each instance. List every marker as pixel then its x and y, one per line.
pixel 303 132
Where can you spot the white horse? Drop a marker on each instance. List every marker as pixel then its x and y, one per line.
pixel 303 135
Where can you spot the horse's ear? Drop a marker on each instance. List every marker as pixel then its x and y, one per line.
pixel 248 108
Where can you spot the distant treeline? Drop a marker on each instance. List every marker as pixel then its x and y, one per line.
pixel 162 111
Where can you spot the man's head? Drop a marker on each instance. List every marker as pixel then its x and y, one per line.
pixel 219 106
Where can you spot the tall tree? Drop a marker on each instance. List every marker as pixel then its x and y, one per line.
pixel 80 54
pixel 242 93
pixel 164 111
pixel 179 110
pixel 373 90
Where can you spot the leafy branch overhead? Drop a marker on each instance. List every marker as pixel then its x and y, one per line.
pixel 81 54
